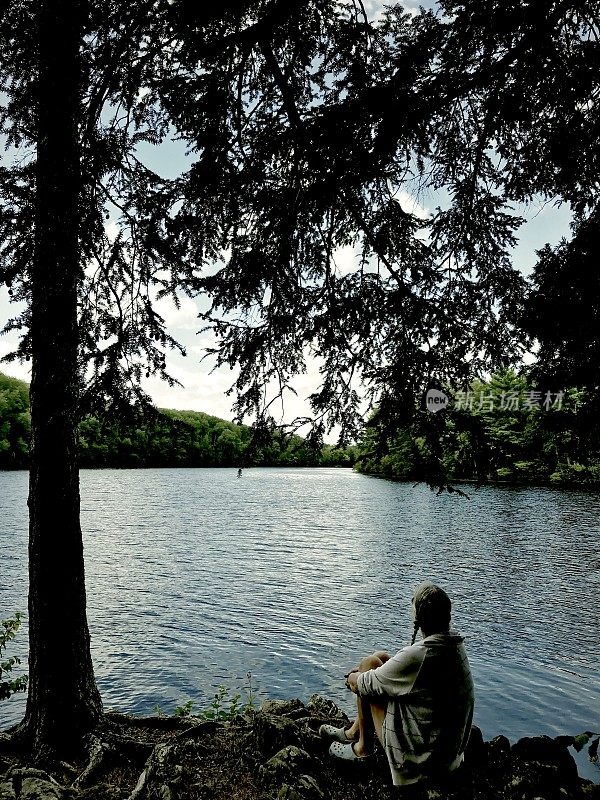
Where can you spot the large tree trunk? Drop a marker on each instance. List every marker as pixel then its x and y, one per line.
pixel 63 701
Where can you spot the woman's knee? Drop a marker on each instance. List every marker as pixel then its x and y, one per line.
pixel 370 662
pixel 382 655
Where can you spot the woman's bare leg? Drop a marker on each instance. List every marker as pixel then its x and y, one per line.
pixel 370 715
pixel 370 721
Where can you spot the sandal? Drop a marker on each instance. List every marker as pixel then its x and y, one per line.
pixel 335 734
pixel 345 752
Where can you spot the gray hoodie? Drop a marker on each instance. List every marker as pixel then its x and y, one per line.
pixel 430 699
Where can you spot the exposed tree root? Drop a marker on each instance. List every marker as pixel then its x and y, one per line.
pixel 274 754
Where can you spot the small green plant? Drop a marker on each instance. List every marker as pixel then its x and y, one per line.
pixel 158 711
pixel 250 703
pixel 226 706
pixel 222 706
pixel 184 710
pixel 8 685
pixel 579 742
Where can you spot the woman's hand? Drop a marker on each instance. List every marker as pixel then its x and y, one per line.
pixel 352 681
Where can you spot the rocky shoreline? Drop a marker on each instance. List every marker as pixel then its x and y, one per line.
pixel 275 754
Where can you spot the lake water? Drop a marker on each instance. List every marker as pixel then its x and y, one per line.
pixel 196 578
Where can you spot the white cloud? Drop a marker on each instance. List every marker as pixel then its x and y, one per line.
pixel 205 391
pixel 411 205
pixel 346 259
pixel 10 341
pixel 111 229
pixel 375 8
pixel 184 318
pixel 201 391
pixel 14 368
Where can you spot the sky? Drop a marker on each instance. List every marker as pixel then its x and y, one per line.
pixel 202 390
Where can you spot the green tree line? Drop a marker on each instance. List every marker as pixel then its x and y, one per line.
pixel 166 438
pixel 500 429
pixel 503 429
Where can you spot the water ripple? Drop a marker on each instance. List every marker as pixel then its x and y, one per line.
pixel 195 577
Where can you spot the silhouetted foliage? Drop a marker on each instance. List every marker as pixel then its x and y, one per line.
pixel 501 429
pixel 563 309
pixel 10 684
pixel 305 123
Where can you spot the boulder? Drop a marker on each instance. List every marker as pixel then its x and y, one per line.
pixel 285 766
pixel 305 788
pixel 29 783
pixel 7 791
pixel 498 747
pixel 283 708
pixel 321 707
pixel 551 758
pixel 542 768
pixel 275 732
pixel 476 753
pixel 39 789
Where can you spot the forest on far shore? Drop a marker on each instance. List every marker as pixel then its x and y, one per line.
pixel 500 430
pixel 503 429
pixel 165 438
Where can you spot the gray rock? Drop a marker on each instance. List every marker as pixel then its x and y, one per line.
pixel 321 707
pixel 282 707
pixel 39 789
pixel 285 766
pixel 552 759
pixel 7 791
pixel 534 768
pixel 498 746
pixel 275 732
pixel 305 788
pixel 35 784
pixel 476 753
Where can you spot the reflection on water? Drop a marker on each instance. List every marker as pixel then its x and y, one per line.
pixel 195 578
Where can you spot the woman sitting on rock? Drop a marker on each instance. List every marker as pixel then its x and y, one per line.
pixel 418 702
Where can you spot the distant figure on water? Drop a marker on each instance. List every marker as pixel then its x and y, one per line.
pixel 419 702
pixel 240 472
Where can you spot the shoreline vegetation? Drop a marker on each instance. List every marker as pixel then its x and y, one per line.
pixel 162 438
pixel 504 430
pixel 499 432
pixel 274 753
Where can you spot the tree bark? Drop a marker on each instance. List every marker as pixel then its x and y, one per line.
pixel 63 701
